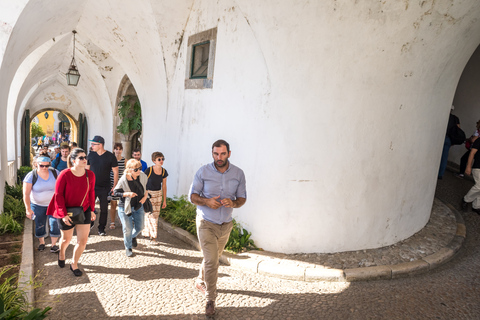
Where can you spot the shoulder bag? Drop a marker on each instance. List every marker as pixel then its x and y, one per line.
pixel 76 214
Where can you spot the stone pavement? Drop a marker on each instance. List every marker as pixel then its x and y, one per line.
pixel 158 283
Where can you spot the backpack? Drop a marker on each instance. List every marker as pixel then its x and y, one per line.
pixel 457 136
pixel 151 170
pixel 35 175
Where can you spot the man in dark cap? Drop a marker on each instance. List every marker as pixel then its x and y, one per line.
pixel 101 162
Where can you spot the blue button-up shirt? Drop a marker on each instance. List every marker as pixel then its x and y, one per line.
pixel 209 183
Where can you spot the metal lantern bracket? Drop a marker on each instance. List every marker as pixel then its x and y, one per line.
pixel 73 76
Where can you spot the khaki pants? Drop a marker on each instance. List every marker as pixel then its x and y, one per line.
pixel 212 238
pixel 474 194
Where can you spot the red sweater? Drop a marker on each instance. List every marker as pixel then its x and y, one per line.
pixel 69 192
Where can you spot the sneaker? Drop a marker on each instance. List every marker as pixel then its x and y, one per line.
pixel 129 252
pixel 210 308
pixel 54 249
pixel 102 233
pixel 201 287
pixel 134 242
pixel 459 175
pixel 464 205
pixel 41 247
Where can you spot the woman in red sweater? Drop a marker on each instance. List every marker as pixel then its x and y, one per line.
pixel 75 187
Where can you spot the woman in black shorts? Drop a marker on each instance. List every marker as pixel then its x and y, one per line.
pixel 75 187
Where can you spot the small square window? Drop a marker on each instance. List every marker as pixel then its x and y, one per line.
pixel 200 54
pixel 200 60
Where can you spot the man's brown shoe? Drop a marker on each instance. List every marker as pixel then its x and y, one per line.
pixel 210 308
pixel 201 287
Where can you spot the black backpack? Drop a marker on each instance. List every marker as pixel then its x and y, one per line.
pixel 35 175
pixel 457 136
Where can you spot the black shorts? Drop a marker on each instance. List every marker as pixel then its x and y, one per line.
pixel 88 219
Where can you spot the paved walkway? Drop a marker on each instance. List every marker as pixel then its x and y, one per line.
pixel 158 284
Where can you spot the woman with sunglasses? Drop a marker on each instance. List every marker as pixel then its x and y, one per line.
pixel 157 188
pixel 38 190
pixel 132 191
pixel 75 188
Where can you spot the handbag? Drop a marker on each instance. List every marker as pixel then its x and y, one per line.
pixel 76 214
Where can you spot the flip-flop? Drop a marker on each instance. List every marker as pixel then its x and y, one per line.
pixel 112 225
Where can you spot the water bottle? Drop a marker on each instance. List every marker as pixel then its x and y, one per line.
pixel 33 217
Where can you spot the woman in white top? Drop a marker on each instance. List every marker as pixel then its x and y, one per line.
pixel 38 190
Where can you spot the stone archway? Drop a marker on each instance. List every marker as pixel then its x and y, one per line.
pixel 126 88
pixel 71 119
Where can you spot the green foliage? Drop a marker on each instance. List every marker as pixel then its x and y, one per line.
pixel 36 130
pixel 16 191
pixel 13 300
pixel 15 207
pixel 239 240
pixel 182 213
pixel 8 224
pixel 22 172
pixel 130 115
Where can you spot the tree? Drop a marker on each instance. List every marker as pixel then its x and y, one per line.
pixel 36 130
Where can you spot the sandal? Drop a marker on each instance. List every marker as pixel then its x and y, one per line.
pixel 112 225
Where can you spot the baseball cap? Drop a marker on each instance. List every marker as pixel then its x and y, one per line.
pixel 98 139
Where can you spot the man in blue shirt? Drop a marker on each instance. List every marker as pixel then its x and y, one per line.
pixel 217 188
pixel 137 155
pixel 60 163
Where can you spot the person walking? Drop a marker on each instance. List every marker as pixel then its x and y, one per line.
pixel 468 145
pixel 101 162
pixel 217 188
pixel 75 188
pixel 137 154
pixel 38 190
pixel 473 168
pixel 117 150
pixel 157 188
pixel 60 162
pixel 132 191
pixel 39 143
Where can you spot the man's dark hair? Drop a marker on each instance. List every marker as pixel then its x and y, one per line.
pixel 136 150
pixel 74 144
pixel 219 143
pixel 64 146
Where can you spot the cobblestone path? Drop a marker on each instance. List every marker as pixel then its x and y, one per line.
pixel 158 284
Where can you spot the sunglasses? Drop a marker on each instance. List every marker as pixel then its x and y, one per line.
pixel 160 159
pixel 82 158
pixel 136 169
pixel 44 165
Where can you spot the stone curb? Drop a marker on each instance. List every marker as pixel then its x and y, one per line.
pixel 27 264
pixel 294 270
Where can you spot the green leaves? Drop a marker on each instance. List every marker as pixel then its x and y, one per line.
pixel 130 112
pixel 13 301
pixel 36 130
pixel 182 213
pixel 11 220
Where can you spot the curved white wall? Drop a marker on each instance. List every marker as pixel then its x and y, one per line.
pixel 335 111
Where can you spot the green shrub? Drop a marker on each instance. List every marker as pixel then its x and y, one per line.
pixel 15 207
pixel 13 300
pixel 22 172
pixel 182 213
pixel 239 240
pixel 8 224
pixel 16 191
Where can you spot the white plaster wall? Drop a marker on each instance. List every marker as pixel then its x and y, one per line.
pixel 324 104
